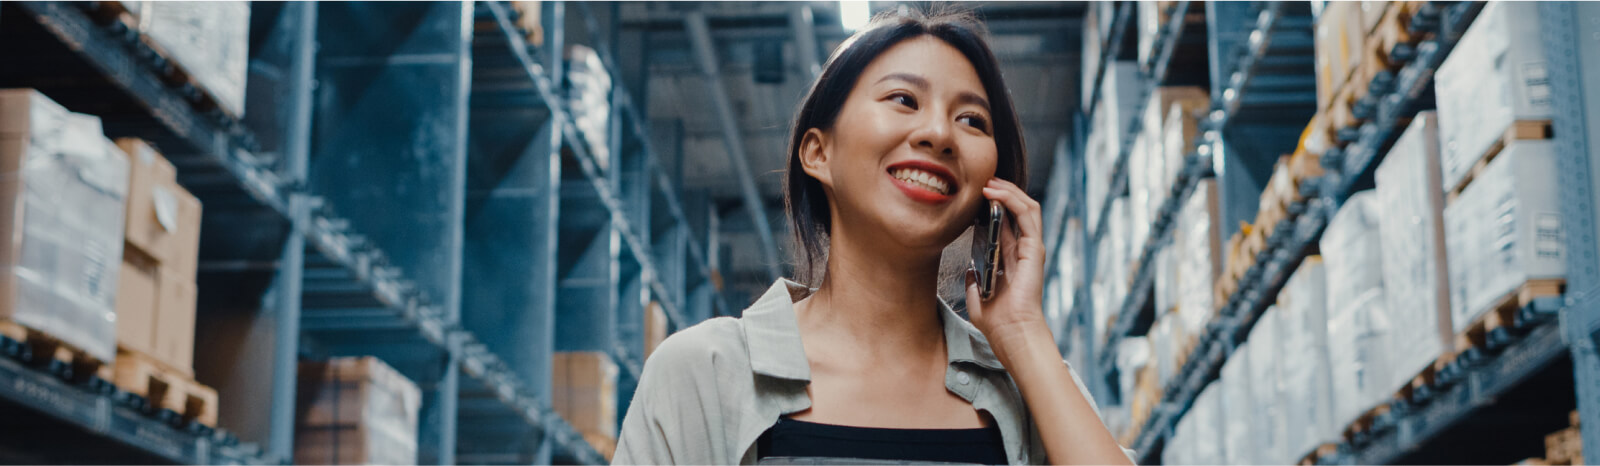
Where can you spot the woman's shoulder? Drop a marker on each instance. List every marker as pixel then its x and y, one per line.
pixel 707 347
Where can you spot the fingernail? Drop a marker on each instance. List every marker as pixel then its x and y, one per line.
pixel 971 276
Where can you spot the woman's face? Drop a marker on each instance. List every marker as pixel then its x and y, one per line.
pixel 912 147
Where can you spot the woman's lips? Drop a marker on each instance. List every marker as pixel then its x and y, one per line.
pixel 918 193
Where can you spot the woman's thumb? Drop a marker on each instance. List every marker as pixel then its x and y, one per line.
pixel 974 297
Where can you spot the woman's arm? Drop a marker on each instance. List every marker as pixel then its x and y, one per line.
pixel 1013 321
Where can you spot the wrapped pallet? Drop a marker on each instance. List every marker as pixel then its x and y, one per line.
pixel 156 296
pixel 355 410
pixel 1339 43
pixel 1413 256
pixel 1238 400
pixel 1303 367
pixel 62 188
pixel 1504 230
pixel 1209 423
pixel 1141 201
pixel 1111 267
pixel 1197 245
pixel 209 40
pixel 1481 94
pixel 1359 323
pixel 1271 420
pixel 1163 162
pixel 1180 128
pixel 588 95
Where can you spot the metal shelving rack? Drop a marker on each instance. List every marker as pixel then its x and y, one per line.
pixel 1255 81
pixel 333 285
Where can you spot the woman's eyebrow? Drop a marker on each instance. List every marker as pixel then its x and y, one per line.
pixel 920 82
pixel 972 98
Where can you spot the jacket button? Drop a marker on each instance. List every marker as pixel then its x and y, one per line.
pixel 964 378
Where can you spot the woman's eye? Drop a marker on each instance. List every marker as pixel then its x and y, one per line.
pixel 976 122
pixel 905 100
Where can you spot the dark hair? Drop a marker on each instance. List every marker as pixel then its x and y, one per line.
pixel 804 199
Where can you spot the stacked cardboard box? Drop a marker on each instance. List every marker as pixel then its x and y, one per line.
pixel 62 186
pixel 529 19
pixel 1238 400
pixel 588 95
pixel 585 394
pixel 1504 230
pixel 655 327
pixel 210 41
pixel 1339 42
pixel 1413 255
pixel 1197 244
pixel 1111 267
pixel 1133 355
pixel 355 410
pixel 1359 319
pixel 1480 94
pixel 1152 166
pixel 156 296
pixel 1271 422
pixel 1303 367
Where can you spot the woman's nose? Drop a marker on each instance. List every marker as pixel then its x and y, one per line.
pixel 934 134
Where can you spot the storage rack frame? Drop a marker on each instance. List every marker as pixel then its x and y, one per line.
pixel 332 288
pixel 1544 330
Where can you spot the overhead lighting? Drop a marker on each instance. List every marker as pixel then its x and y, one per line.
pixel 854 15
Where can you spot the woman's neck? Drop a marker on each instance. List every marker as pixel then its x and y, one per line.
pixel 876 300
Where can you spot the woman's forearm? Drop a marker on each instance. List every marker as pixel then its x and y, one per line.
pixel 1067 423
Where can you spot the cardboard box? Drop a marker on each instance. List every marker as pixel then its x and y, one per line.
pixel 585 388
pixel 1480 94
pixel 355 410
pixel 1271 421
pixel 529 19
pixel 1358 322
pixel 1411 197
pixel 655 327
pixel 1505 229
pixel 175 321
pixel 209 40
pixel 1339 41
pixel 1303 369
pixel 138 297
pixel 163 218
pixel 1197 244
pixel 62 189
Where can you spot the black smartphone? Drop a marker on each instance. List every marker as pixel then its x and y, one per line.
pixel 986 247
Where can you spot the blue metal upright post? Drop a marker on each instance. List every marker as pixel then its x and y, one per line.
pixel 1571 34
pixel 297 149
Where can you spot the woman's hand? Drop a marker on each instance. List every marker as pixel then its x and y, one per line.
pixel 1015 308
pixel 1013 321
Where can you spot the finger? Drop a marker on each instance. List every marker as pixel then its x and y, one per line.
pixel 1023 208
pixel 974 296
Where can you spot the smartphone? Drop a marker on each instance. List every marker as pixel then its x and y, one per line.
pixel 986 247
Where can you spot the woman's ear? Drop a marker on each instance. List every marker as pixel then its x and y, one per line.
pixel 814 156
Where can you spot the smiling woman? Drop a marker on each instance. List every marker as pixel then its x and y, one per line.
pixel 905 136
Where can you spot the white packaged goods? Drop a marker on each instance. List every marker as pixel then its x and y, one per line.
pixel 209 40
pixel 1118 100
pixel 1150 16
pixel 1165 278
pixel 356 410
pixel 1481 93
pixel 1180 127
pixel 1410 194
pixel 1139 196
pixel 1208 426
pixel 589 88
pixel 62 191
pixel 1164 163
pixel 1271 423
pixel 1180 448
pixel 1098 161
pixel 1165 344
pixel 1358 317
pixel 1197 247
pixel 1111 276
pixel 1307 397
pixel 1505 229
pixel 1133 354
pixel 1238 431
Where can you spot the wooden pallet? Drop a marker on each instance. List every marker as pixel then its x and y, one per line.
pixel 1503 313
pixel 1520 130
pixel 46 348
pixel 1364 422
pixel 1324 450
pixel 164 387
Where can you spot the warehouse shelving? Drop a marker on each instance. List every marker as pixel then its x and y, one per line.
pixel 325 277
pixel 1544 330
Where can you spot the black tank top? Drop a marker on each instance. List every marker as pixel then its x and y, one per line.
pixel 793 441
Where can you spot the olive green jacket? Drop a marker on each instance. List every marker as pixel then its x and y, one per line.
pixel 708 392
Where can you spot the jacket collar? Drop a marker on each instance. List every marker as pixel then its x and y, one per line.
pixel 772 335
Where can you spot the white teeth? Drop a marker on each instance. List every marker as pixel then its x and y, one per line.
pixel 922 178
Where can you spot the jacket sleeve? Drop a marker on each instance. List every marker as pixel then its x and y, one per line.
pixel 675 416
